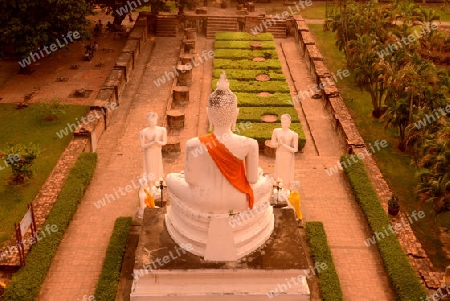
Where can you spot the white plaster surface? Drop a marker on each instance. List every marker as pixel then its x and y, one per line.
pixel 220 285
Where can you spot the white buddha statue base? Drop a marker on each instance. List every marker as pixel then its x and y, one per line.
pixel 221 236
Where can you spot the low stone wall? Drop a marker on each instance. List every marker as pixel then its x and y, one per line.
pixel 355 144
pixel 116 81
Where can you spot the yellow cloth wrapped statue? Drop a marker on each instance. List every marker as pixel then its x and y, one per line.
pixel 294 199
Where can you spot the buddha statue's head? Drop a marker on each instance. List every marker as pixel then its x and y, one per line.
pixel 222 107
pixel 152 119
pixel 285 121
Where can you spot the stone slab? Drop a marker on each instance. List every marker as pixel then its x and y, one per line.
pixel 222 285
pixel 283 250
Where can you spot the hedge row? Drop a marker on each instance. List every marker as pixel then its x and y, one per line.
pixel 263 131
pixel 243 36
pixel 242 44
pixel 26 283
pixel 329 283
pixel 274 100
pixel 109 277
pixel 240 54
pixel 271 64
pixel 249 75
pixel 253 114
pixel 256 87
pixel 400 273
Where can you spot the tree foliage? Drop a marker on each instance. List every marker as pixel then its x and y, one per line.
pixel 391 50
pixel 27 24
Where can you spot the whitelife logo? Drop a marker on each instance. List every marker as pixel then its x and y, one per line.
pixel 53 47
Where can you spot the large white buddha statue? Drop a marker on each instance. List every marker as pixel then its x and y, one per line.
pixel 220 204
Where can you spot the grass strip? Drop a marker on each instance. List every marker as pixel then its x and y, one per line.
pixel 109 277
pixel 26 283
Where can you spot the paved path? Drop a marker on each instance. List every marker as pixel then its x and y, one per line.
pixel 329 198
pixel 78 261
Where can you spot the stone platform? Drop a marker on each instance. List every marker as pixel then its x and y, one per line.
pixel 165 270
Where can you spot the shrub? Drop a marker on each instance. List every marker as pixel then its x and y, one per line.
pixel 26 283
pixel 253 114
pixel 271 64
pixel 274 100
pixel 256 87
pixel 21 159
pixel 50 110
pixel 243 36
pixel 249 75
pixel 239 54
pixel 400 273
pixel 242 45
pixel 263 131
pixel 329 283
pixel 109 277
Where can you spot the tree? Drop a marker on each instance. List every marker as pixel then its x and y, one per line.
pixel 26 25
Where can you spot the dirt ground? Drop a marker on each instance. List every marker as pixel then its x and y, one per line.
pixel 55 76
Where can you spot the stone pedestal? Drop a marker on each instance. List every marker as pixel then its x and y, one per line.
pixel 187 58
pixel 172 146
pixel 184 75
pixel 181 95
pixel 190 33
pixel 162 267
pixel 175 119
pixel 269 150
pixel 189 45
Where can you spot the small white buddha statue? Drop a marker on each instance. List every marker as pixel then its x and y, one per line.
pixel 286 142
pixel 221 178
pixel 151 139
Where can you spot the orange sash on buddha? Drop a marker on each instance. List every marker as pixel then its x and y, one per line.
pixel 231 167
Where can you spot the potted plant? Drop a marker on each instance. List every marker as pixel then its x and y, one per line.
pixel 393 206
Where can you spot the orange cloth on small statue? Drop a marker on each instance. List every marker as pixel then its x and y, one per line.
pixel 149 200
pixel 231 167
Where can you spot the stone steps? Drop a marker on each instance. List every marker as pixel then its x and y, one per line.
pixel 276 27
pixel 166 26
pixel 220 24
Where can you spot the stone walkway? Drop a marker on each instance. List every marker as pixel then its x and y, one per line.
pixel 329 198
pixel 77 265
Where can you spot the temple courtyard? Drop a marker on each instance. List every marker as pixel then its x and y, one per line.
pixel 325 197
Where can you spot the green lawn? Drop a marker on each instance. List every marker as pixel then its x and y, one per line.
pixel 25 126
pixel 395 166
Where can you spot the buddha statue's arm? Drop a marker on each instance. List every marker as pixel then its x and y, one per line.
pixel 163 139
pixel 142 140
pixel 292 149
pixel 251 162
pixel 190 172
pixel 274 140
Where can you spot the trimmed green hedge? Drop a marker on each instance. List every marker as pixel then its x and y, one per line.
pixel 240 54
pixel 329 283
pixel 271 64
pixel 402 276
pixel 253 114
pixel 246 75
pixel 242 45
pixel 109 277
pixel 274 100
pixel 263 131
pixel 255 86
pixel 26 283
pixel 243 36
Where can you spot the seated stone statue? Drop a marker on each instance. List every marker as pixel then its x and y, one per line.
pixel 220 184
